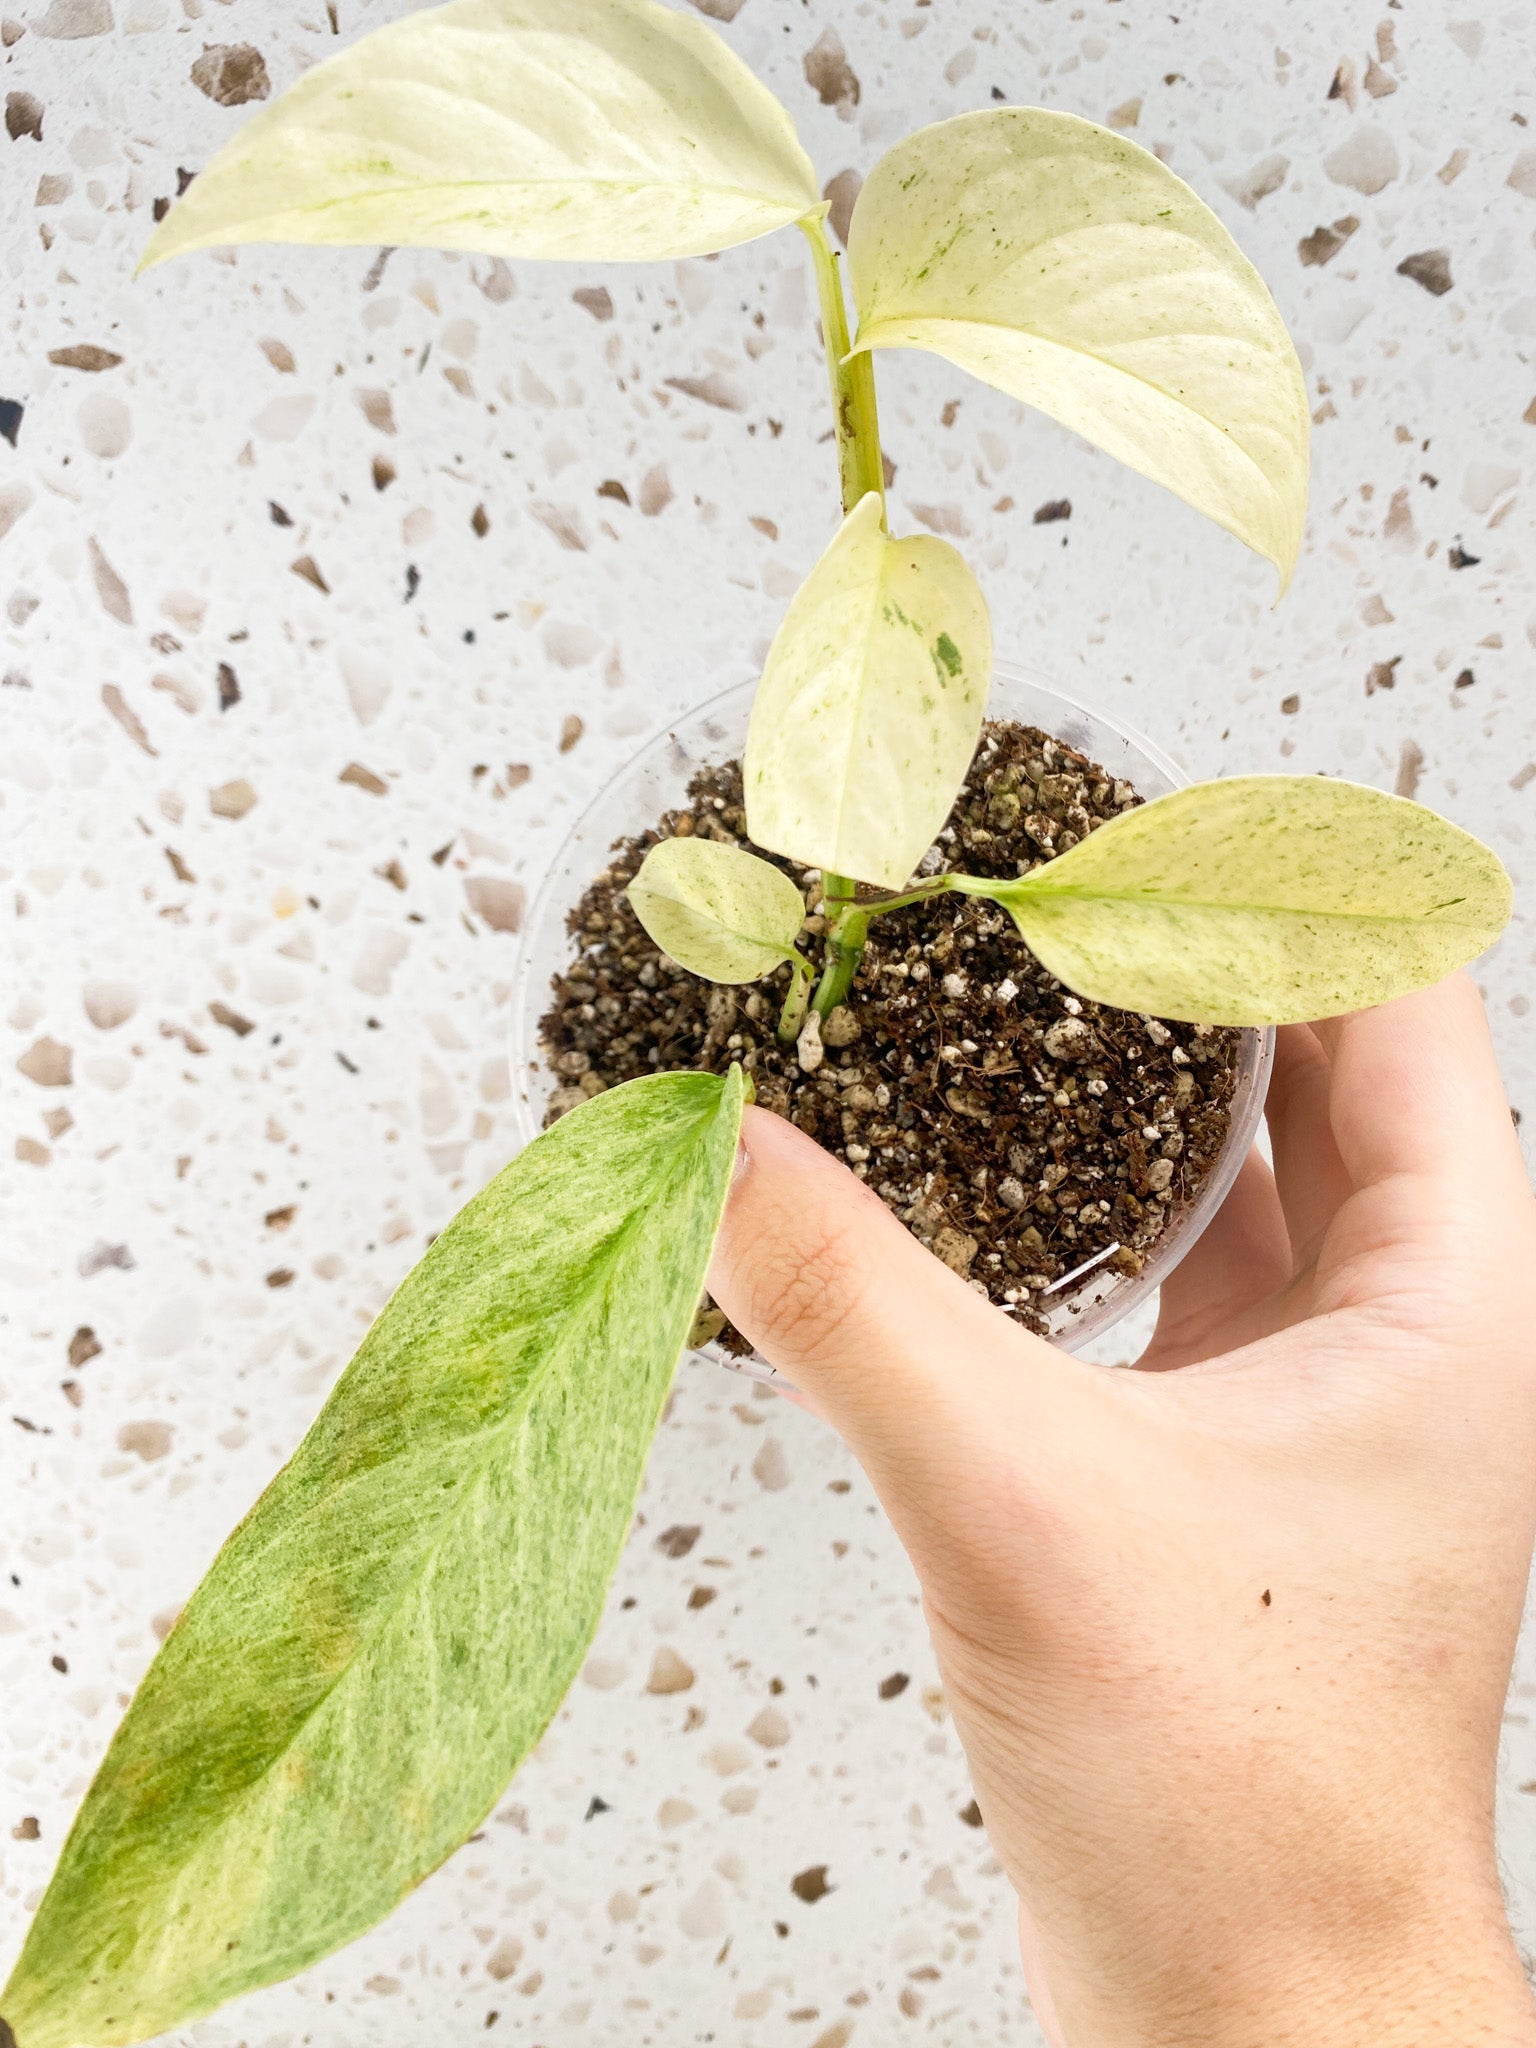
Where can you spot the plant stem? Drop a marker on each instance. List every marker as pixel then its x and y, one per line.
pixel 852 377
pixel 861 468
pixel 797 1002
pixel 845 949
pixel 920 894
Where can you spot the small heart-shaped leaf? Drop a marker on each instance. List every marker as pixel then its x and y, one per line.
pixel 717 910
pixel 607 130
pixel 1066 265
pixel 390 1629
pixel 871 703
pixel 1265 899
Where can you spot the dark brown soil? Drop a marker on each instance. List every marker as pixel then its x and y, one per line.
pixel 1017 1131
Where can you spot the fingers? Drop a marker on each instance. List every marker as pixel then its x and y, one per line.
pixel 1211 1301
pixel 1309 1174
pixel 1416 1090
pixel 890 1346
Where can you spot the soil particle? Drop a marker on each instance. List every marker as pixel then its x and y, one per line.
pixel 1018 1131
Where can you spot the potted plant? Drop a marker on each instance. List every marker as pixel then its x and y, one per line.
pixel 394 1624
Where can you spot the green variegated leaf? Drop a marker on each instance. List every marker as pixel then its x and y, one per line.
pixel 870 707
pixel 605 130
pixel 1066 265
pixel 391 1628
pixel 1265 899
pixel 718 911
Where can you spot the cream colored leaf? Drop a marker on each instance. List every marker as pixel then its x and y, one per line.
pixel 1068 266
pixel 591 129
pixel 718 911
pixel 1265 899
pixel 870 706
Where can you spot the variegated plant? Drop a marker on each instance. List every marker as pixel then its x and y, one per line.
pixel 388 1632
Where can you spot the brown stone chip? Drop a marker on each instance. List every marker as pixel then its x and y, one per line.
pixel 669 1673
pixel 110 587
pixel 150 1441
pixel 811 1885
pixel 307 567
pixel 1324 243
pixel 23 116
pixel 83 1347
pixel 48 1063
pixel 496 900
pixel 230 800
pixel 1430 268
pixel 232 74
pixel 84 355
pixel 829 74
pixel 1382 675
pixel 363 778
pixel 840 193
pixel 232 1020
pixel 126 717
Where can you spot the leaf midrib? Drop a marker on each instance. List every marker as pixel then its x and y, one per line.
pixel 1047 892
pixel 709 915
pixel 424 186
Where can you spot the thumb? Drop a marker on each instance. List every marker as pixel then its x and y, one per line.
pixel 891 1347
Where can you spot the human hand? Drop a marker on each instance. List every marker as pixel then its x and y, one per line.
pixel 1227 1639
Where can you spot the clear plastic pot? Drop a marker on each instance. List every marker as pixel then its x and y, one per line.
pixel 656 780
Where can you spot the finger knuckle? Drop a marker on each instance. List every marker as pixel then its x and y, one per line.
pixel 800 1296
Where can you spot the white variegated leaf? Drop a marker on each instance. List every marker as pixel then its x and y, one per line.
pixel 1263 899
pixel 608 130
pixel 871 703
pixel 390 1629
pixel 717 910
pixel 1068 266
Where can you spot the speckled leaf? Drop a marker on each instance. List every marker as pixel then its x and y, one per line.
pixel 870 706
pixel 391 1628
pixel 595 129
pixel 1066 265
pixel 1266 899
pixel 717 910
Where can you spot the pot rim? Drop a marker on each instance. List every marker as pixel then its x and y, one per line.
pixel 1097 1306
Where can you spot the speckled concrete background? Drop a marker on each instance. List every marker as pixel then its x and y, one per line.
pixel 334 585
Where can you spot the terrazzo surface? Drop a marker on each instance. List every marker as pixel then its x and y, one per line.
pixel 334 585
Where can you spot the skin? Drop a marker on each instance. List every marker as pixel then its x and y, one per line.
pixel 1227 1637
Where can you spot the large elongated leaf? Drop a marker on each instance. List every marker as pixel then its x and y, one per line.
pixel 717 910
pixel 595 129
pixel 389 1631
pixel 870 706
pixel 1069 267
pixel 1264 899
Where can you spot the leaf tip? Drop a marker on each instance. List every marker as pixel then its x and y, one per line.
pixel 160 248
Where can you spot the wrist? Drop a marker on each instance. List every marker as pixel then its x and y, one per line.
pixel 1448 1972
